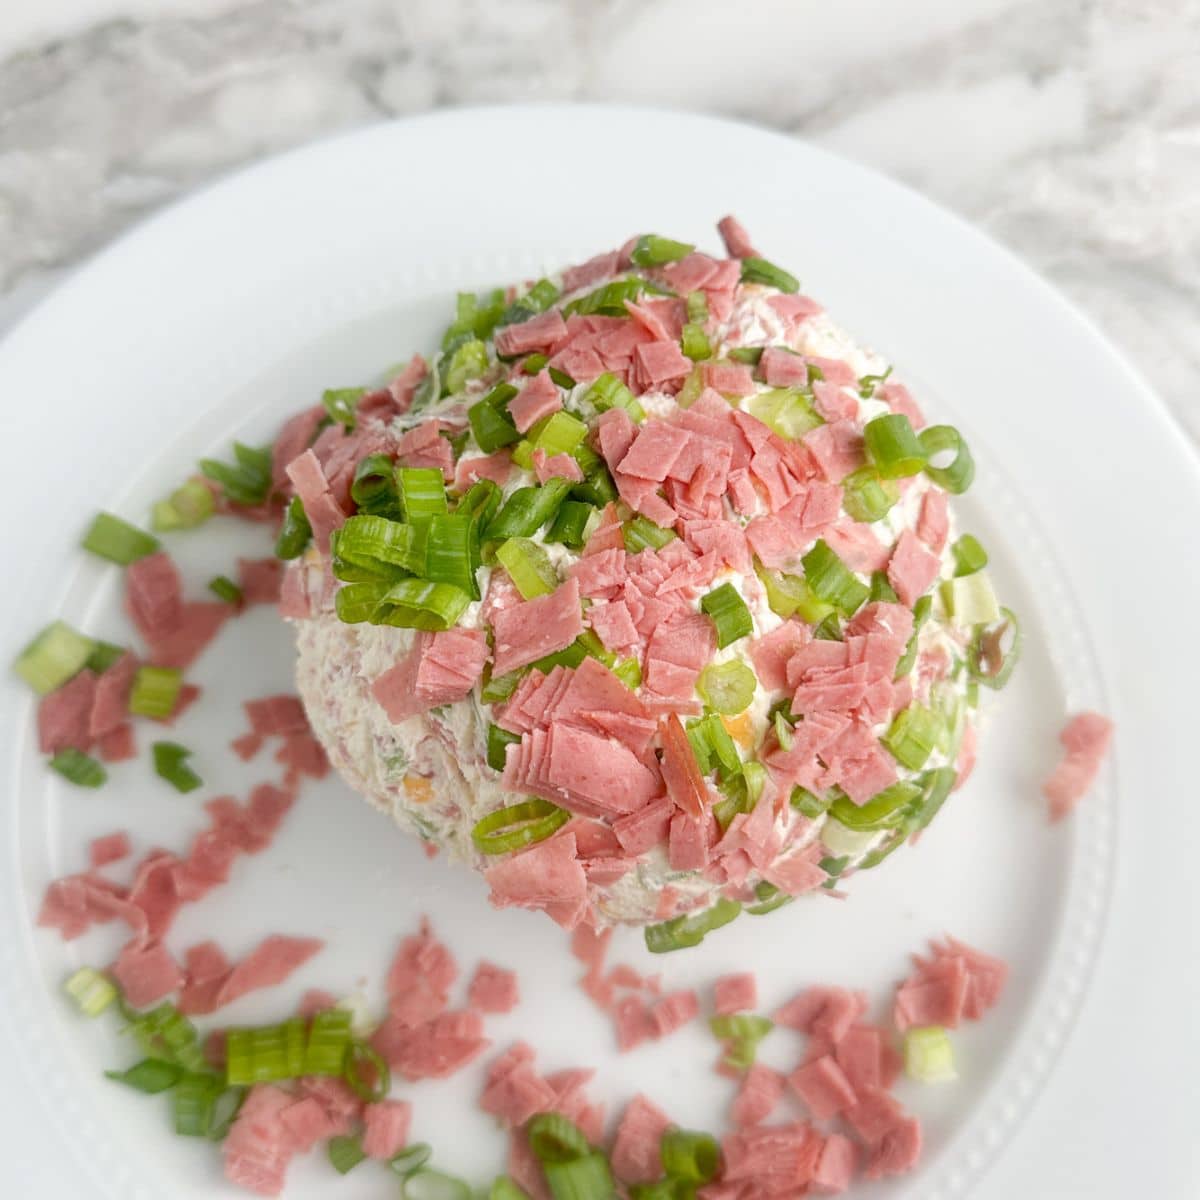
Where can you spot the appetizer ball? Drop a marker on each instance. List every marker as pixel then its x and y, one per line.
pixel 642 596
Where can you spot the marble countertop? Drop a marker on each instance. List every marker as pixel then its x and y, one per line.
pixel 1070 129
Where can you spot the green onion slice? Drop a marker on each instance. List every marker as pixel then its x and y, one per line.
pixel 969 555
pixel 553 1138
pixel 452 552
pixel 654 251
pixel 727 687
pixel 640 533
pixel 729 614
pixel 341 403
pixel 498 741
pixel 913 735
pixel 170 763
pixel 691 928
pixel 150 1076
pixel 329 1038
pixel 491 425
pixel 53 658
pixel 410 1159
pixel 785 410
pixel 529 567
pixel 225 589
pixel 526 510
pixel 103 656
pixel 832 581
pixel 789 595
pixel 881 589
pixel 191 504
pixel 78 768
pixel 929 1055
pixel 759 270
pixel 921 612
pixel 422 492
pixel 569 524
pixel 882 811
pixel 689 1156
pixel 245 481
pixel 769 899
pixel 428 1184
pixel 374 489
pixel 518 825
pixel 91 990
pixel 585 1178
pixel 609 392
pixel 866 497
pixel 958 474
pixel 366 1072
pixel 893 446
pixel 697 307
pixel 155 692
pixel 421 604
pixel 295 532
pixel 750 355
pixel 694 342
pixel 988 662
pixel 345 1153
pixel 116 540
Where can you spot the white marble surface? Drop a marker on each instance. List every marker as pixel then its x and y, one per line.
pixel 1069 128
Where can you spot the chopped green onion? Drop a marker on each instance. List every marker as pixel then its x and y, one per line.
pixel 913 735
pixel 379 547
pixel 971 600
pixel 731 1026
pixel 103 656
pixel 341 403
pixel 191 504
pixel 869 384
pixel 609 300
pixel 569 524
pixel 150 1076
pixel 832 580
pixel 357 602
pixel 246 481
pixel 755 775
pixel 882 811
pixel 518 825
pixel 881 589
pixel 536 300
pixel 492 426
pixel 727 687
pixel 654 251
pixel 170 764
pixel 609 392
pixel 690 929
pixel 452 552
pixel 53 658
pixel 410 1159
pixel 585 1178
pixel 783 731
pixel 503 1188
pixel 374 488
pixel 959 473
pixel 758 270
pixel 165 1033
pixel 769 899
pixel 828 629
pixel 969 555
pixel 534 363
pixel 729 614
pixel 295 532
pixel 526 510
pixel 344 1152
pixel 921 612
pixel 785 410
pixel 265 1053
pixel 498 741
pixel 597 488
pixel 91 990
pixel 789 595
pixel 480 502
pixel 985 650
pixel 428 1184
pixel 629 672
pixel 807 803
pixel 893 447
pixel 467 361
pixel 697 307
pixel 116 540
pixel 553 1138
pixel 694 342
pixel 561 378
pixel 640 533
pixel 833 867
pixel 561 434
pixel 866 497
pixel 422 492
pixel 362 1055
pixel 495 690
pixel 690 1157
pixel 155 691
pixel 421 604
pixel 328 1041
pixel 750 355
pixel 528 566
pixel 225 589
pixel 78 768
pixel 193 1103
pixel 929 1055
pixel 712 744
pixel 936 785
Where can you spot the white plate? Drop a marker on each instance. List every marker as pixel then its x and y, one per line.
pixel 321 267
